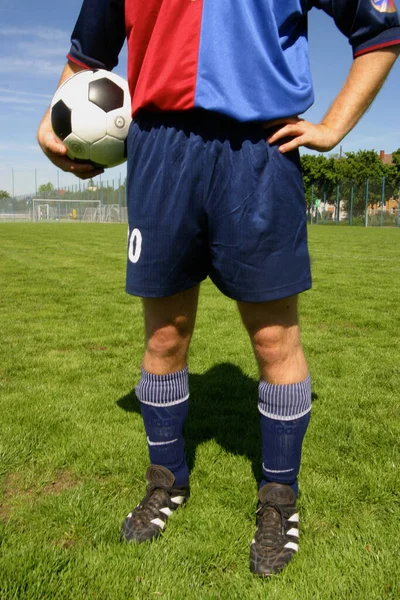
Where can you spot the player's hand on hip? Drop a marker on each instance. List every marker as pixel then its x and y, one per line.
pixel 303 133
pixel 56 151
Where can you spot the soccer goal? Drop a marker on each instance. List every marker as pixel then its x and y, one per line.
pixel 54 209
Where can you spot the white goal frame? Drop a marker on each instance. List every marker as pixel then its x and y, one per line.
pixel 55 209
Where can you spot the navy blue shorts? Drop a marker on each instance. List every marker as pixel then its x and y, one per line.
pixel 208 196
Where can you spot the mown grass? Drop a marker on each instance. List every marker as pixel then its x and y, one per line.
pixel 72 445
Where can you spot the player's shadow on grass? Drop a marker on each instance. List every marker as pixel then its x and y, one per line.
pixel 223 407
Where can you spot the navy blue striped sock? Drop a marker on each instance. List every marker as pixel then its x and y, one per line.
pixel 164 406
pixel 284 417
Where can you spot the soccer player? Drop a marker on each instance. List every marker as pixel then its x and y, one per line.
pixel 215 189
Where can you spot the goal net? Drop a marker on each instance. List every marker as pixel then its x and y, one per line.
pixel 51 209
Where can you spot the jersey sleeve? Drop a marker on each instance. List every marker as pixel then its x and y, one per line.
pixel 99 34
pixel 368 24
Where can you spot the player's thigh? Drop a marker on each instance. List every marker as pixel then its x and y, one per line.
pixel 275 319
pixel 275 336
pixel 172 315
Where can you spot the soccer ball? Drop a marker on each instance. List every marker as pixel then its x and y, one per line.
pixel 91 114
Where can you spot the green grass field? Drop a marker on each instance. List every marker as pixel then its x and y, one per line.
pixel 72 445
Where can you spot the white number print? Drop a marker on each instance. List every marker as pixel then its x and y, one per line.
pixel 135 246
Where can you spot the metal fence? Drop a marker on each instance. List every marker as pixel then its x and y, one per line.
pixel 367 203
pixel 84 202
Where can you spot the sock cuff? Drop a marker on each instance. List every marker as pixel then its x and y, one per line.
pixel 285 402
pixel 163 390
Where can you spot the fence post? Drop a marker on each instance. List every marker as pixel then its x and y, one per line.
pixel 312 202
pixel 101 200
pixel 13 195
pixel 119 197
pixel 337 202
pixel 382 198
pixel 351 201
pixel 366 201
pixel 323 218
pixel 58 195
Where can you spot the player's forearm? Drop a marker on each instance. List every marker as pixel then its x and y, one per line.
pixel 366 77
pixel 70 69
pixel 364 81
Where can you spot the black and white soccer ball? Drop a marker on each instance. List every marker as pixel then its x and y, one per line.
pixel 91 114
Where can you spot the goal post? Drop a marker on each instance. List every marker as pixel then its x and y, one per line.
pixel 54 209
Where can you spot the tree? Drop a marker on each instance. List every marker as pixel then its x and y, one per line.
pixel 4 195
pixel 392 175
pixel 319 176
pixel 361 165
pixel 46 189
pixel 366 165
pixel 346 177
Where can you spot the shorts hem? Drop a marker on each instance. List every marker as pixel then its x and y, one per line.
pixel 161 293
pixel 262 296
pixel 267 295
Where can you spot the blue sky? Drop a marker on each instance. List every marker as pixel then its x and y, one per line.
pixel 34 39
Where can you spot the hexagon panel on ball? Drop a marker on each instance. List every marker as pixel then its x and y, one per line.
pixel 108 152
pixel 77 148
pixel 89 122
pixel 106 94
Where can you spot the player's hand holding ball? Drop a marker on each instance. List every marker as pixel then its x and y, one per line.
pixel 56 151
pixel 86 127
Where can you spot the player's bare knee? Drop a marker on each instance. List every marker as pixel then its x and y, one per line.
pixel 271 354
pixel 167 342
pixel 275 345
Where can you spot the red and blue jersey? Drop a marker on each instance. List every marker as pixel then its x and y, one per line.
pixel 247 59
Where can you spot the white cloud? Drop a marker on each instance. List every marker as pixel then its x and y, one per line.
pixel 37 48
pixel 37 51
pixel 32 66
pixel 23 93
pixel 18 100
pixel 19 109
pixel 43 33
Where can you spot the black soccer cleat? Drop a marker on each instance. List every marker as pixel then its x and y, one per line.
pixel 277 534
pixel 148 519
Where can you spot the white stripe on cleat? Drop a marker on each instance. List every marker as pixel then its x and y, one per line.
pixel 292 546
pixel 159 522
